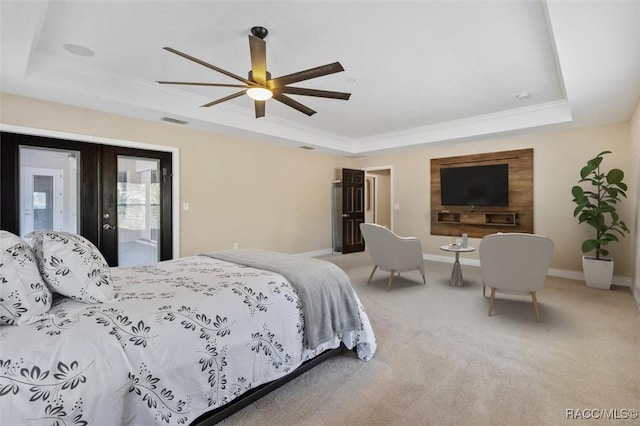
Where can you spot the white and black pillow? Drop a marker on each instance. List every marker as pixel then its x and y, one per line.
pixel 23 294
pixel 72 266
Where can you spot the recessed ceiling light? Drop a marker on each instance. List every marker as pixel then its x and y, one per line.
pixel 79 50
pixel 523 96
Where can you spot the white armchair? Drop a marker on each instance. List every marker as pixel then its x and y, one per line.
pixel 515 263
pixel 391 252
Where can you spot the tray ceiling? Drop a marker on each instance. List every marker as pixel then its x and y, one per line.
pixel 419 72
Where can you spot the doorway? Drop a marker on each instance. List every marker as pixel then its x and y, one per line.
pixel 41 201
pixel 89 189
pixel 379 196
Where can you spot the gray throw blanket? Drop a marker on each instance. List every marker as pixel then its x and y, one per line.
pixel 323 288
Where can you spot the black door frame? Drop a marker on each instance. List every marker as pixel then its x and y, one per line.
pixel 90 188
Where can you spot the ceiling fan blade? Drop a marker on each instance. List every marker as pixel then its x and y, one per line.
pixel 293 104
pixel 258 48
pixel 193 83
pixel 313 92
pixel 260 108
pixel 213 67
pixel 226 98
pixel 305 75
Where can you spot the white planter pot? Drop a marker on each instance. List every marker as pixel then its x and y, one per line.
pixel 597 273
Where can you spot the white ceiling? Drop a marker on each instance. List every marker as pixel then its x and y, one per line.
pixel 419 71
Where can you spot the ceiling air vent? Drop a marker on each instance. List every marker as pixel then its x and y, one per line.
pixel 174 120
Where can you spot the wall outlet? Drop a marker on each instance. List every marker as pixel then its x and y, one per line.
pixel 235 245
pixel 185 206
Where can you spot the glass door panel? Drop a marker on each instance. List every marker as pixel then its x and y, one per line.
pixel 135 206
pixel 48 190
pixel 138 210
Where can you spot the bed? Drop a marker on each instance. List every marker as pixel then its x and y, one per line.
pixel 181 339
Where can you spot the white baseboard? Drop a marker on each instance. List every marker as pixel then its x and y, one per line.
pixel 315 253
pixel 553 272
pixel 450 259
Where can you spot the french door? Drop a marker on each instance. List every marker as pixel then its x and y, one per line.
pixel 136 205
pixel 119 198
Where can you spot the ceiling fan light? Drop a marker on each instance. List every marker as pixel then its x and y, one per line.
pixel 259 93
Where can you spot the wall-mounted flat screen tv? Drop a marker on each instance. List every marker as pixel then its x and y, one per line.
pixel 475 185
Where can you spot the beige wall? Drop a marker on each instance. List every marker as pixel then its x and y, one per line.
pixel 257 194
pixel 635 179
pixel 267 196
pixel 558 157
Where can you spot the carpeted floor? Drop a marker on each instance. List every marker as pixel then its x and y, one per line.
pixel 442 361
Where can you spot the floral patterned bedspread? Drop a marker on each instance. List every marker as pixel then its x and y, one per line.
pixel 184 337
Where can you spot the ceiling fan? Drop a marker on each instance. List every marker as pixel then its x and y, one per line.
pixel 259 85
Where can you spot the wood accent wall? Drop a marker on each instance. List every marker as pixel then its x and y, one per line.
pixel 481 221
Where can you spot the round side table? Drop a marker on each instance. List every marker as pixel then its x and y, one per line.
pixel 456 273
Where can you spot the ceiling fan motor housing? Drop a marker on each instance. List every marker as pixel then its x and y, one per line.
pixel 251 75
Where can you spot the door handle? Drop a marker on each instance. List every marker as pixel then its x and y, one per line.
pixel 345 215
pixel 106 227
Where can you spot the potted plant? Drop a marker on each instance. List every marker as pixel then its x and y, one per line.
pixel 596 206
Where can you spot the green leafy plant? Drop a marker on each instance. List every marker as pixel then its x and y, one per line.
pixel 597 205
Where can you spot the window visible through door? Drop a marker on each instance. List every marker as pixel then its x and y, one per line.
pixel 138 210
pixel 48 190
